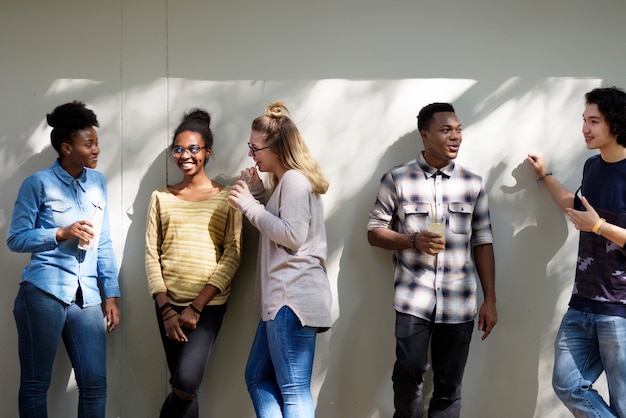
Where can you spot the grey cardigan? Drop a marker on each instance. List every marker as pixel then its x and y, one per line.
pixel 291 263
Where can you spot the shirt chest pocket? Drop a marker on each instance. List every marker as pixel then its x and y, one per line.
pixel 414 216
pixel 460 217
pixel 61 213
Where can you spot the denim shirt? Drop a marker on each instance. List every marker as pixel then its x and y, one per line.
pixel 50 199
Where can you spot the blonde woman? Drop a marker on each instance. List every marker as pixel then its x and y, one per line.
pixel 293 291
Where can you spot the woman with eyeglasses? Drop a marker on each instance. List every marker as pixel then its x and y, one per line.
pixel 60 292
pixel 293 290
pixel 193 248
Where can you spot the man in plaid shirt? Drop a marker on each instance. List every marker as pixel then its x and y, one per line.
pixel 435 275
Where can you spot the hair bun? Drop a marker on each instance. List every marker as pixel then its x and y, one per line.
pixel 275 110
pixel 72 116
pixel 57 120
pixel 197 115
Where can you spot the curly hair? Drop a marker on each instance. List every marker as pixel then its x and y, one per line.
pixel 611 102
pixel 284 138
pixel 427 113
pixel 66 120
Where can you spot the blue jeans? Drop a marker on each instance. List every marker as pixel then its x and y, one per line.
pixel 187 361
pixel 42 320
pixel 586 345
pixel 449 350
pixel 278 373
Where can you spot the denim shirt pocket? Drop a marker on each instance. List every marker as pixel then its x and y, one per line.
pixel 460 217
pixel 61 212
pixel 415 216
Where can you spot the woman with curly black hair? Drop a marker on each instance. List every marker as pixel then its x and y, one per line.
pixel 61 217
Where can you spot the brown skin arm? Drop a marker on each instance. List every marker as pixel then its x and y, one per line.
pixel 83 230
pixel 485 266
pixel 391 240
pixel 112 311
pixel 188 318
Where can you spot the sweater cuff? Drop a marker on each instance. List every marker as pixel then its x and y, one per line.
pixel 246 202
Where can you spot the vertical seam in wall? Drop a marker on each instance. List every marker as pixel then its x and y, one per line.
pixel 167 129
pixel 121 113
pixel 167 86
pixel 122 211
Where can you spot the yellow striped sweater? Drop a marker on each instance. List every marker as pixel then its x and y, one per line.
pixel 190 245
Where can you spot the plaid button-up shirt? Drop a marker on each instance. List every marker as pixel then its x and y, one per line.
pixel 409 196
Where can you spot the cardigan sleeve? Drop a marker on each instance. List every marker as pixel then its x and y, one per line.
pixel 290 226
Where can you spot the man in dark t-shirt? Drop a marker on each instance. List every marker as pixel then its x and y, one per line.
pixel 592 336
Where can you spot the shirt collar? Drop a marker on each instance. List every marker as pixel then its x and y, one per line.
pixel 430 172
pixel 66 178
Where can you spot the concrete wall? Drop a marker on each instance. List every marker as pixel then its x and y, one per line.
pixel 355 73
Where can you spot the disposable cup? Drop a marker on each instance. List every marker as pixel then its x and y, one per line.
pixel 438 228
pixel 96 219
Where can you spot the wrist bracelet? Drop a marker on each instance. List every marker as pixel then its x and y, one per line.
pixel 171 316
pixel 165 305
pixel 597 226
pixel 540 179
pixel 196 310
pixel 413 239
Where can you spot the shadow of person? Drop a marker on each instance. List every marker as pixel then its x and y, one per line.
pixel 362 341
pixel 139 328
pixel 529 229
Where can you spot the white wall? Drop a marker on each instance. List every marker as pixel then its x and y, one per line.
pixel 355 73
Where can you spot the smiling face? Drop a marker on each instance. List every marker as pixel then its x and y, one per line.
pixel 189 163
pixel 596 130
pixel 266 159
pixel 442 139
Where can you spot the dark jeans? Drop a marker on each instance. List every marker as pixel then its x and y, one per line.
pixel 42 321
pixel 187 361
pixel 449 351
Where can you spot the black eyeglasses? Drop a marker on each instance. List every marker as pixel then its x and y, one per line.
pixel 256 149
pixel 177 151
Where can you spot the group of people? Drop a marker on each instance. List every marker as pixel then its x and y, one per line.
pixel 193 249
